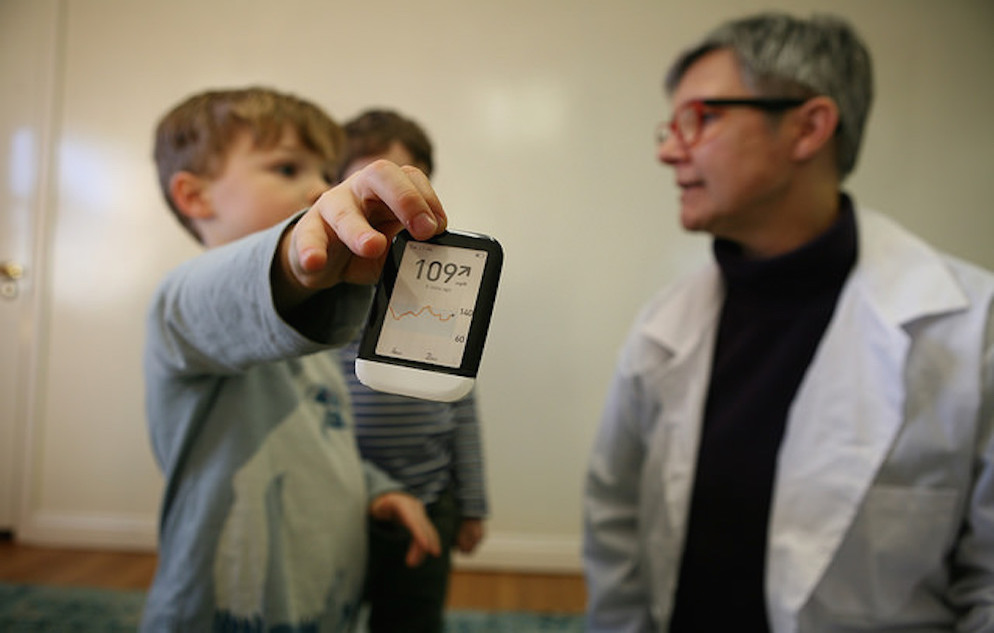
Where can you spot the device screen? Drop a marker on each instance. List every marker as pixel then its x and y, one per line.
pixel 431 308
pixel 430 315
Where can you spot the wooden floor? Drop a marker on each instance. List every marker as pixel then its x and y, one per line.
pixel 485 591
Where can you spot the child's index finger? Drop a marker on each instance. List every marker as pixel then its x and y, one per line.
pixel 309 245
pixel 423 185
pixel 390 192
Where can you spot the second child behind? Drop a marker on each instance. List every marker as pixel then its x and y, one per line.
pixel 434 448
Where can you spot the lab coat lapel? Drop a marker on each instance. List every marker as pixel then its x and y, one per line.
pixel 685 327
pixel 843 422
pixel 849 407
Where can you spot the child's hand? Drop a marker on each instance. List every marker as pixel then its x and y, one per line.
pixel 346 234
pixel 409 512
pixel 469 536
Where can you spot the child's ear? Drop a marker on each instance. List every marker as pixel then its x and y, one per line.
pixel 189 193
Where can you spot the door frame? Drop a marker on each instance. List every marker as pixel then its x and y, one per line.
pixel 35 29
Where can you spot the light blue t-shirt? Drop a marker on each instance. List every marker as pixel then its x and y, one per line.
pixel 264 511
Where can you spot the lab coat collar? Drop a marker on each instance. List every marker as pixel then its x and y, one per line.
pixel 686 312
pixel 902 276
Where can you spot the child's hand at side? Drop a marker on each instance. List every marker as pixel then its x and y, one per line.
pixel 345 236
pixel 469 535
pixel 408 511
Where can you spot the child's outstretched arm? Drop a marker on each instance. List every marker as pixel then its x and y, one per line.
pixel 345 236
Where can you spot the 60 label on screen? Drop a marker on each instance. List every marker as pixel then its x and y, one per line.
pixel 431 308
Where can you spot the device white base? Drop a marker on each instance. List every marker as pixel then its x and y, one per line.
pixel 412 382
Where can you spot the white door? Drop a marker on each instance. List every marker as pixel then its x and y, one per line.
pixel 27 58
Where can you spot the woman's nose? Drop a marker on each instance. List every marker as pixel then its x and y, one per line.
pixel 670 150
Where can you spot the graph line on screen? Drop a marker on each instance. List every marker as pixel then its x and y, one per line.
pixel 442 316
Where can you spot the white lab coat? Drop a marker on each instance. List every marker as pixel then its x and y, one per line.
pixel 883 505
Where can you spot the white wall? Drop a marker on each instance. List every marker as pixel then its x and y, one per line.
pixel 543 116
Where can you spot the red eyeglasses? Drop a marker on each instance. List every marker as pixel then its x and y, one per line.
pixel 689 119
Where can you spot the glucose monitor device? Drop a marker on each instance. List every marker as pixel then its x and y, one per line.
pixel 430 316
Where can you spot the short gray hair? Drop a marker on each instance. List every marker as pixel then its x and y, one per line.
pixel 784 56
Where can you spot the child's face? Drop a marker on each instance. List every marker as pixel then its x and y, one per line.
pixel 261 187
pixel 395 153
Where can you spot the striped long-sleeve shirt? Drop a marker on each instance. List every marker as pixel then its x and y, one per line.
pixel 427 446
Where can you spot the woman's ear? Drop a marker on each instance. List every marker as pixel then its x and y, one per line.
pixel 819 118
pixel 189 193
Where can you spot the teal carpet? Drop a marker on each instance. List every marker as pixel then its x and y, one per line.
pixel 37 609
pixel 31 609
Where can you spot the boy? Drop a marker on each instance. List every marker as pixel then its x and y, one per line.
pixel 432 447
pixel 263 517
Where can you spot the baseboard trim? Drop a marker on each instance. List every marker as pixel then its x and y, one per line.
pixel 500 551
pixel 90 531
pixel 524 552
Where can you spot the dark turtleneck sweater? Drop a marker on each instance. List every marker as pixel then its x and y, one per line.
pixel 774 315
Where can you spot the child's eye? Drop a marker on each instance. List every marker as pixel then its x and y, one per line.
pixel 288 169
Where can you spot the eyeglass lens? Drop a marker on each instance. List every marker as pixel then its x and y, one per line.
pixel 686 124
